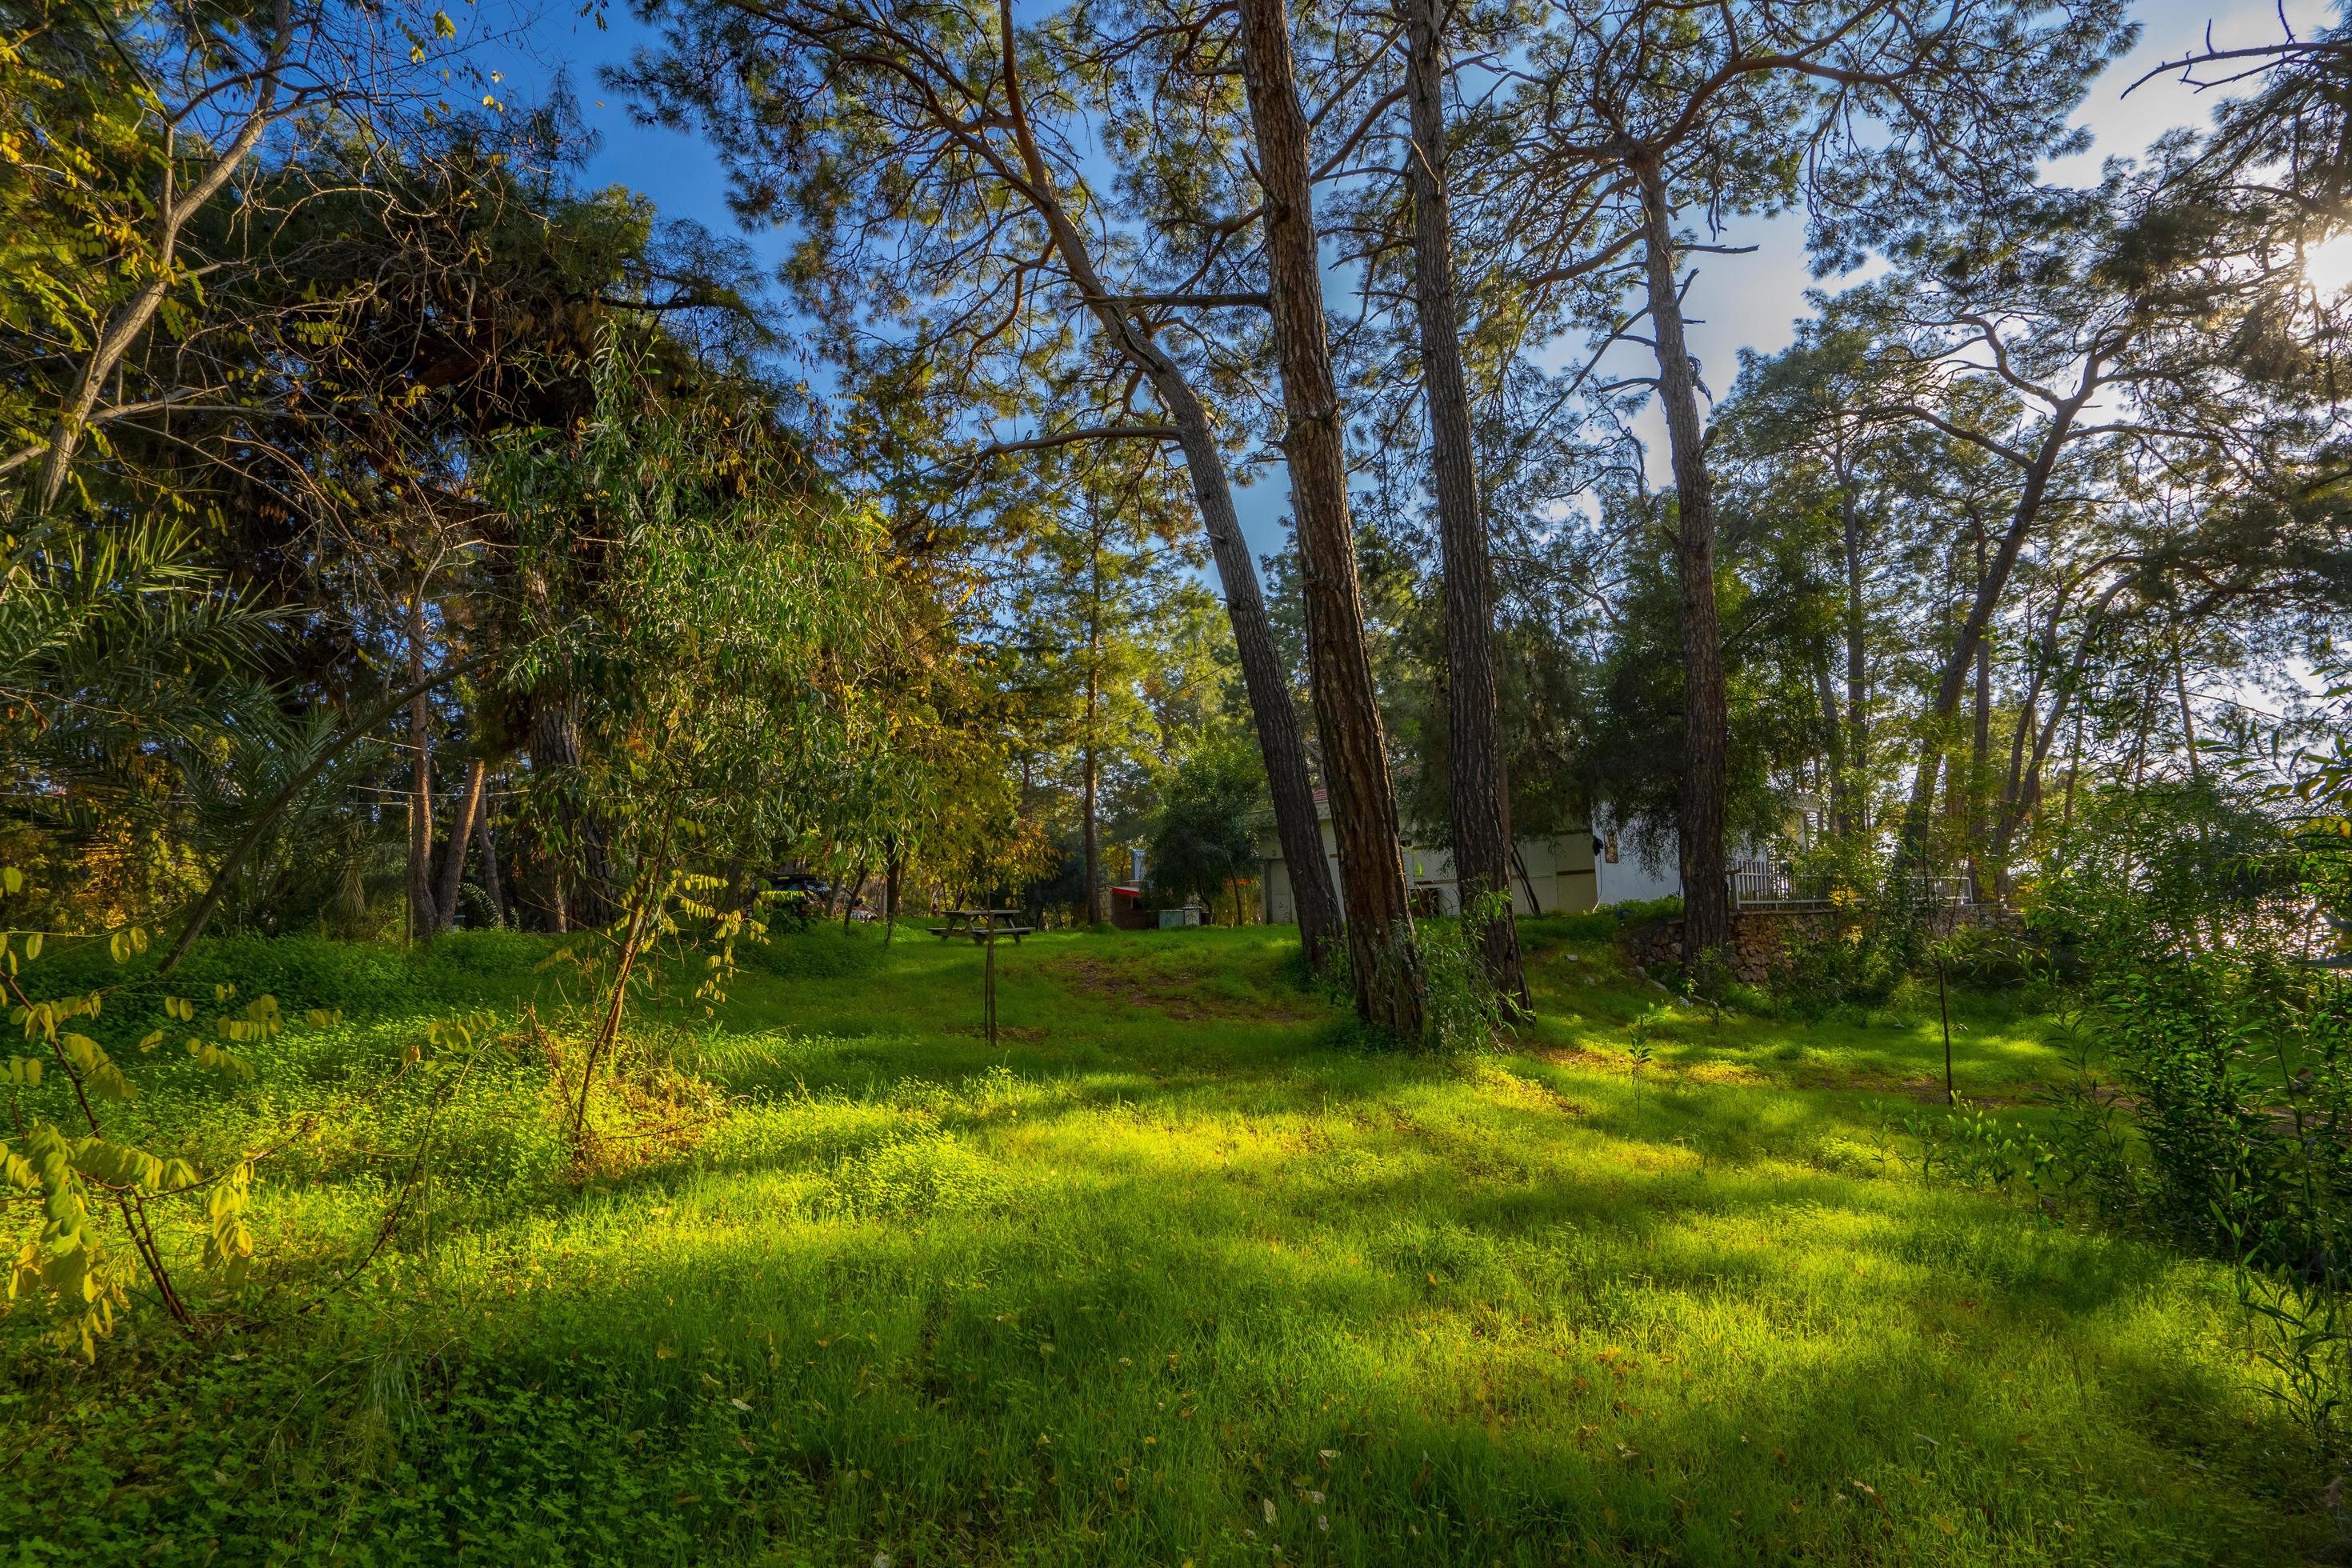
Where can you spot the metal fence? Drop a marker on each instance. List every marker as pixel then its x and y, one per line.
pixel 1757 884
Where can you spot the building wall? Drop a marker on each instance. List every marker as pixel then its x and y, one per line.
pixel 1558 872
pixel 1629 878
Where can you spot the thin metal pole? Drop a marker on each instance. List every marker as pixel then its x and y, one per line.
pixel 1944 1006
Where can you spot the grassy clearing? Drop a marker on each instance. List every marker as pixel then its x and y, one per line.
pixel 1169 1275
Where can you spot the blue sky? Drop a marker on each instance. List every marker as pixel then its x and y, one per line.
pixel 1743 301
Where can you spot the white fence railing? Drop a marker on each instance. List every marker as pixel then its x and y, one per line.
pixel 1762 885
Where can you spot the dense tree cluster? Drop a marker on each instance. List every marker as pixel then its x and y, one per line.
pixel 407 536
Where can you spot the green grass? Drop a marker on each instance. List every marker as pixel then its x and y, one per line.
pixel 1173 1274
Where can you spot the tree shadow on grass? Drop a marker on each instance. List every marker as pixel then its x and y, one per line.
pixel 1125 1367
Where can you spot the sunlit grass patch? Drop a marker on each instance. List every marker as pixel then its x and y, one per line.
pixel 1150 1284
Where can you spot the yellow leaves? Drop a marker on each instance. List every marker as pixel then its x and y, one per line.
pixel 95 1067
pixel 260 1020
pixel 127 943
pixel 214 1058
pixel 180 1007
pixel 32 945
pixel 118 1164
pixel 229 1242
pixel 24 1072
pixel 64 1258
pixel 11 879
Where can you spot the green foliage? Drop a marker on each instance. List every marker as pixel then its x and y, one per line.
pixel 1207 837
pixel 718 614
pixel 1461 1011
pixel 833 1316
pixel 97 1195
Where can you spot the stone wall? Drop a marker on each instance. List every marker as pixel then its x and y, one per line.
pixel 1759 938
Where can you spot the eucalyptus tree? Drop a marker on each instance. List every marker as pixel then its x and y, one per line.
pixel 1880 115
pixel 939 188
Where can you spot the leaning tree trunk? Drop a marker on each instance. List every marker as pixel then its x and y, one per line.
pixel 424 919
pixel 1706 719
pixel 1385 968
pixel 1954 678
pixel 1858 684
pixel 1297 825
pixel 486 843
pixel 453 856
pixel 1480 805
pixel 1276 721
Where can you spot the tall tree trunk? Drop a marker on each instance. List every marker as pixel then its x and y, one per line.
pixel 1706 719
pixel 1980 734
pixel 485 844
pixel 580 864
pixel 1953 680
pixel 1857 669
pixel 453 855
pixel 1839 810
pixel 1384 963
pixel 2187 719
pixel 2065 685
pixel 849 895
pixel 1092 831
pixel 1276 721
pixel 423 918
pixel 2074 768
pixel 1480 805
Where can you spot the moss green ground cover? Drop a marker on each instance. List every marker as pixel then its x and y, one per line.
pixel 1173 1275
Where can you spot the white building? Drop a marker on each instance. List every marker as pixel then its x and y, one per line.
pixel 1561 874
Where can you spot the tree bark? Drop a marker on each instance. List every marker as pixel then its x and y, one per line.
pixel 1981 735
pixel 1384 963
pixel 1092 832
pixel 486 842
pixel 1479 804
pixel 1857 669
pixel 1954 678
pixel 2187 719
pixel 580 867
pixel 424 919
pixel 1839 807
pixel 453 856
pixel 1276 721
pixel 172 214
pixel 1706 721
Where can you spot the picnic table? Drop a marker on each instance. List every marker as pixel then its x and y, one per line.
pixel 983 927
